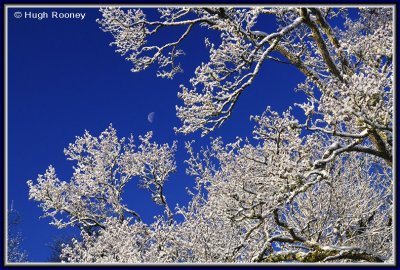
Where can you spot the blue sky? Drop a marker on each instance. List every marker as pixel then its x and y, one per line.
pixel 65 78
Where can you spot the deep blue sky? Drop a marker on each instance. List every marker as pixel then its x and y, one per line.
pixel 65 78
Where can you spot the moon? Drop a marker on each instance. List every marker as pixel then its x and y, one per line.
pixel 150 117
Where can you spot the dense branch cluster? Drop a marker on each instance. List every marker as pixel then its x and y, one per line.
pixel 318 190
pixel 104 166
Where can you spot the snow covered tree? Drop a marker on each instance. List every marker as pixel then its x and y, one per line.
pixel 104 166
pixel 348 67
pixel 14 239
pixel 318 190
pixel 56 246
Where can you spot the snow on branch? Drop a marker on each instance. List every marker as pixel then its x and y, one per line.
pixel 104 165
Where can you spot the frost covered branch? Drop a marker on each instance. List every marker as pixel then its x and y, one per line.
pixel 104 165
